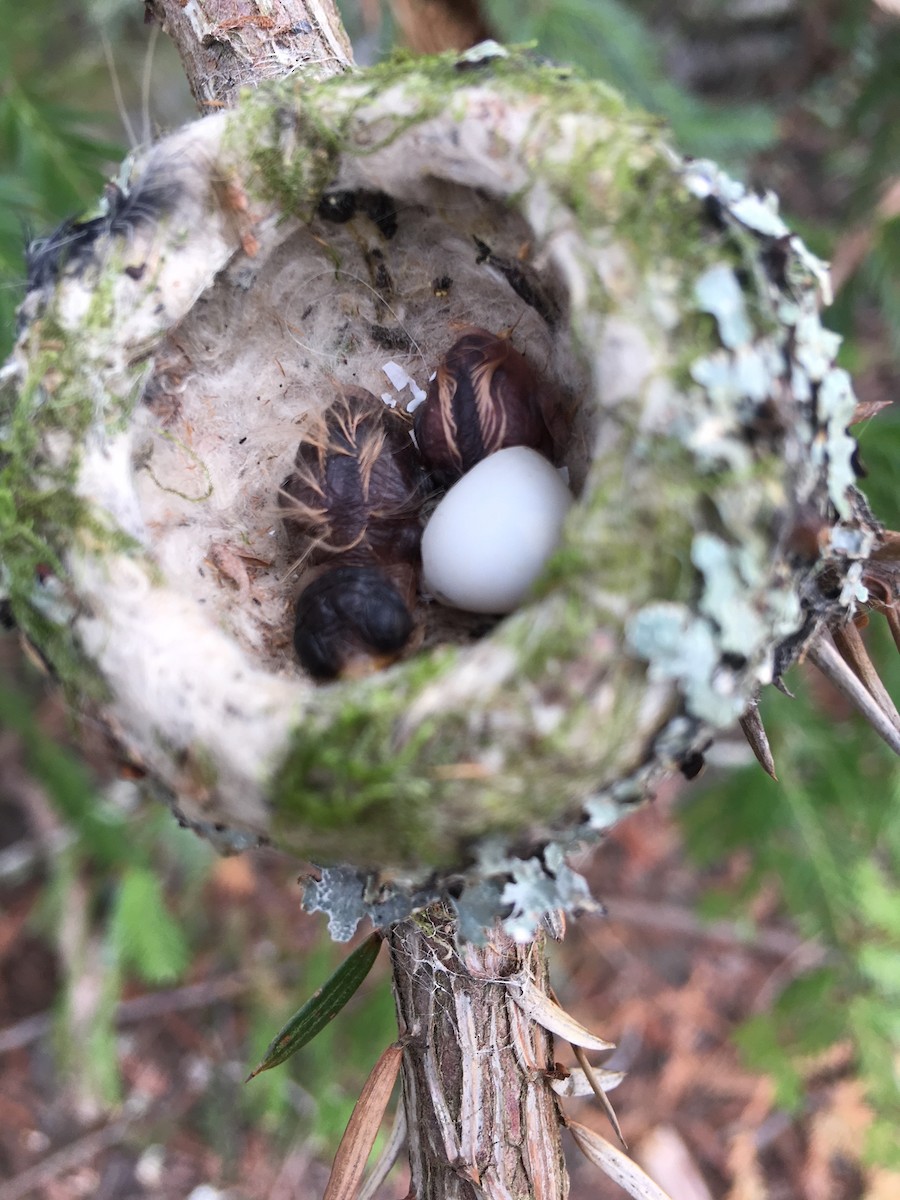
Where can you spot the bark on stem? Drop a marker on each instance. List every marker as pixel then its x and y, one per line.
pixel 482 1119
pixel 226 45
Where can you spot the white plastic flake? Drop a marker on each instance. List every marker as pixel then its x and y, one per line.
pixel 396 374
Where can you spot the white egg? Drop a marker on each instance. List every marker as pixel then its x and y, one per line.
pixel 490 536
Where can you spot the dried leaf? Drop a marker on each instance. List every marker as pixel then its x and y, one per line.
pixel 888 549
pixel 666 1158
pixel 851 647
pixel 388 1156
pixel 867 409
pixel 362 1128
pixel 748 1177
pixel 618 1166
pixel 577 1084
pixel 600 1093
pixel 538 1006
pixel 322 1006
pixel 755 733
pixel 824 656
pixel 883 1185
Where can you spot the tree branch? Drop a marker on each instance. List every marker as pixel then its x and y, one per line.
pixel 226 45
pixel 481 1116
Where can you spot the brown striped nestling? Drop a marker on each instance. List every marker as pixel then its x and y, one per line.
pixel 484 397
pixel 350 510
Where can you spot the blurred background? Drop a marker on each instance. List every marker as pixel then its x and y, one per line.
pixel 749 966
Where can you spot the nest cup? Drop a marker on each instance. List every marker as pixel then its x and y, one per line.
pixel 260 259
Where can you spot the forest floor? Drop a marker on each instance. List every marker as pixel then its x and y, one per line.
pixel 668 987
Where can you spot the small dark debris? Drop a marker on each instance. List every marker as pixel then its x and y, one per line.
pixel 341 206
pixel 692 765
pixel 338 207
pixel 383 281
pixel 441 286
pixel 524 281
pixel 241 441
pixel 775 258
pixel 736 662
pixel 381 276
pixel 714 212
pixel 391 338
pixel 136 272
pixel 381 209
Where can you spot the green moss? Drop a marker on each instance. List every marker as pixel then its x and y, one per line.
pixel 294 133
pixel 37 513
pixel 340 781
pixel 41 514
pixel 353 787
pixel 283 132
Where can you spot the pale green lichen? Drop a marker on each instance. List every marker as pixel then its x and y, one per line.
pixel 718 292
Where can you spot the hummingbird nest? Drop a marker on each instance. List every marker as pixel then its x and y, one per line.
pixel 177 349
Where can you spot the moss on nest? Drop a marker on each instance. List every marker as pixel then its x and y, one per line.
pixel 41 510
pixel 580 694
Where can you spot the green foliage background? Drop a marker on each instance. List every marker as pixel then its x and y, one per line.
pixel 830 832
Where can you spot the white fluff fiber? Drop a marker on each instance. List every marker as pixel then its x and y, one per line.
pixel 272 340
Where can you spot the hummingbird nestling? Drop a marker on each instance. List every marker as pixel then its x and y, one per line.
pixel 350 510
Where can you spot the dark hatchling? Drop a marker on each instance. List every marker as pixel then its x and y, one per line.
pixel 350 510
pixel 485 397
